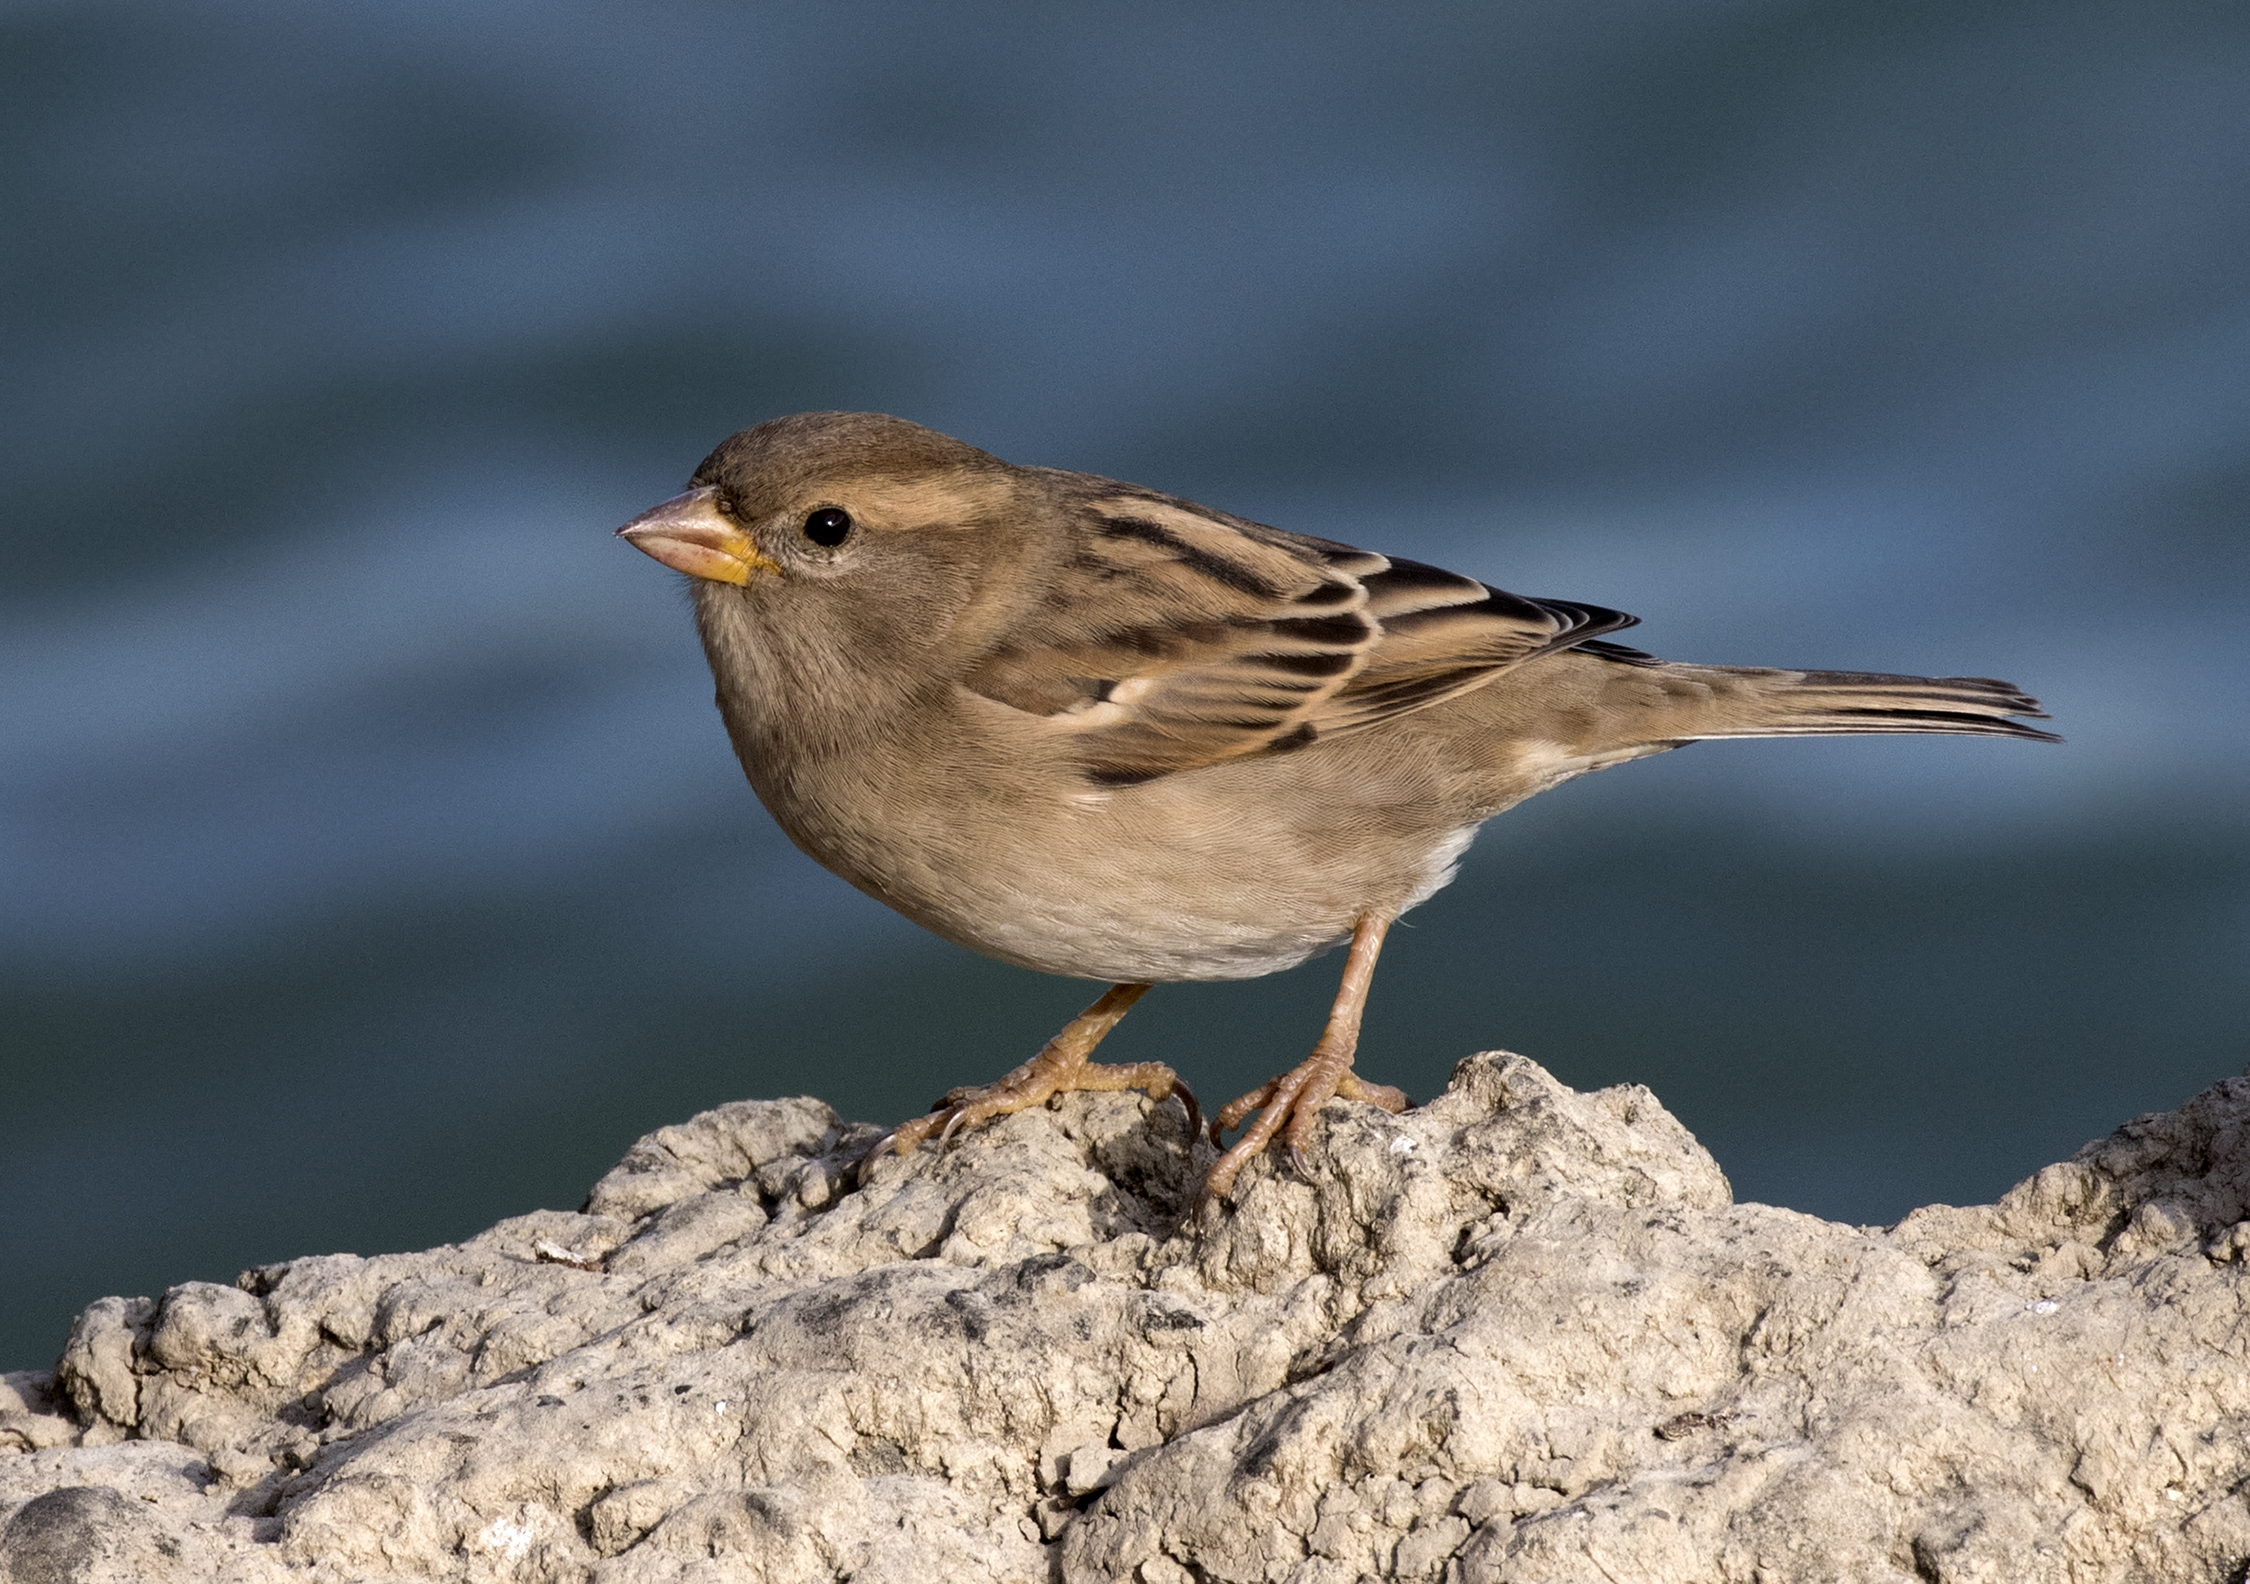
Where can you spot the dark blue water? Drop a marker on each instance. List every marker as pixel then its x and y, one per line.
pixel 373 865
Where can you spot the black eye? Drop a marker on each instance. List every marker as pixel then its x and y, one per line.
pixel 828 526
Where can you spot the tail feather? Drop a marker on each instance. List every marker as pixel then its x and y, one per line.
pixel 1737 701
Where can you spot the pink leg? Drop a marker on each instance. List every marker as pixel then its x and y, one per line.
pixel 1297 1095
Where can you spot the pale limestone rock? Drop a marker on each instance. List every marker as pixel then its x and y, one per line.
pixel 1518 1334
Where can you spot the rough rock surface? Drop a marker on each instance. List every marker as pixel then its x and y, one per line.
pixel 1518 1334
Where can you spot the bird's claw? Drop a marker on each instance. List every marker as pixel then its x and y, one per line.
pixel 866 1157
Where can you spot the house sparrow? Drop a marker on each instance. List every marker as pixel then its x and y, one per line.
pixel 1101 731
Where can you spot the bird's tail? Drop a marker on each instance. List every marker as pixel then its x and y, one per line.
pixel 1685 703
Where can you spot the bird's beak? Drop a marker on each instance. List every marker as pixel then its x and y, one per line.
pixel 688 533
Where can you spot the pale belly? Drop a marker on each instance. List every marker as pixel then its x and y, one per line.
pixel 1162 941
pixel 1140 895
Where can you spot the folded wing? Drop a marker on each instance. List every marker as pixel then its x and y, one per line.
pixel 1177 638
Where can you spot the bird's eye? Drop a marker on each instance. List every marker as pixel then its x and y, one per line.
pixel 828 527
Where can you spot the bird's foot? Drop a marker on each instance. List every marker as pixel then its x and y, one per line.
pixel 1294 1098
pixel 1026 1087
pixel 1061 1067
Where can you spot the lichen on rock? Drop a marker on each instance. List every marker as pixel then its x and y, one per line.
pixel 1516 1334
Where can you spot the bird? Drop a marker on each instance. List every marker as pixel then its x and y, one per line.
pixel 1101 731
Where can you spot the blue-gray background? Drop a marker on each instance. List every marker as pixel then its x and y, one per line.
pixel 372 863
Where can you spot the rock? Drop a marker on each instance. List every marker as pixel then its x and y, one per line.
pixel 79 1534
pixel 1518 1334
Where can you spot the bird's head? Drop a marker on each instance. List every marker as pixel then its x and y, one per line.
pixel 848 552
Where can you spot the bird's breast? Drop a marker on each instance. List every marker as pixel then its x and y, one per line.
pixel 1222 873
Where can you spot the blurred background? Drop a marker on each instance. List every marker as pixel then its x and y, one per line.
pixel 373 864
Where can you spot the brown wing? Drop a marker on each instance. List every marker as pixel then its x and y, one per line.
pixel 1444 634
pixel 1179 637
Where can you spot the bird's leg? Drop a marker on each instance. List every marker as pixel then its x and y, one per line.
pixel 1298 1094
pixel 1062 1065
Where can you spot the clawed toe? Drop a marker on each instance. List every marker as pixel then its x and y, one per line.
pixel 1194 1111
pixel 1355 1087
pixel 1062 1066
pixel 1236 1110
pixel 964 1108
pixel 867 1157
pixel 1295 1098
pixel 1290 1102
